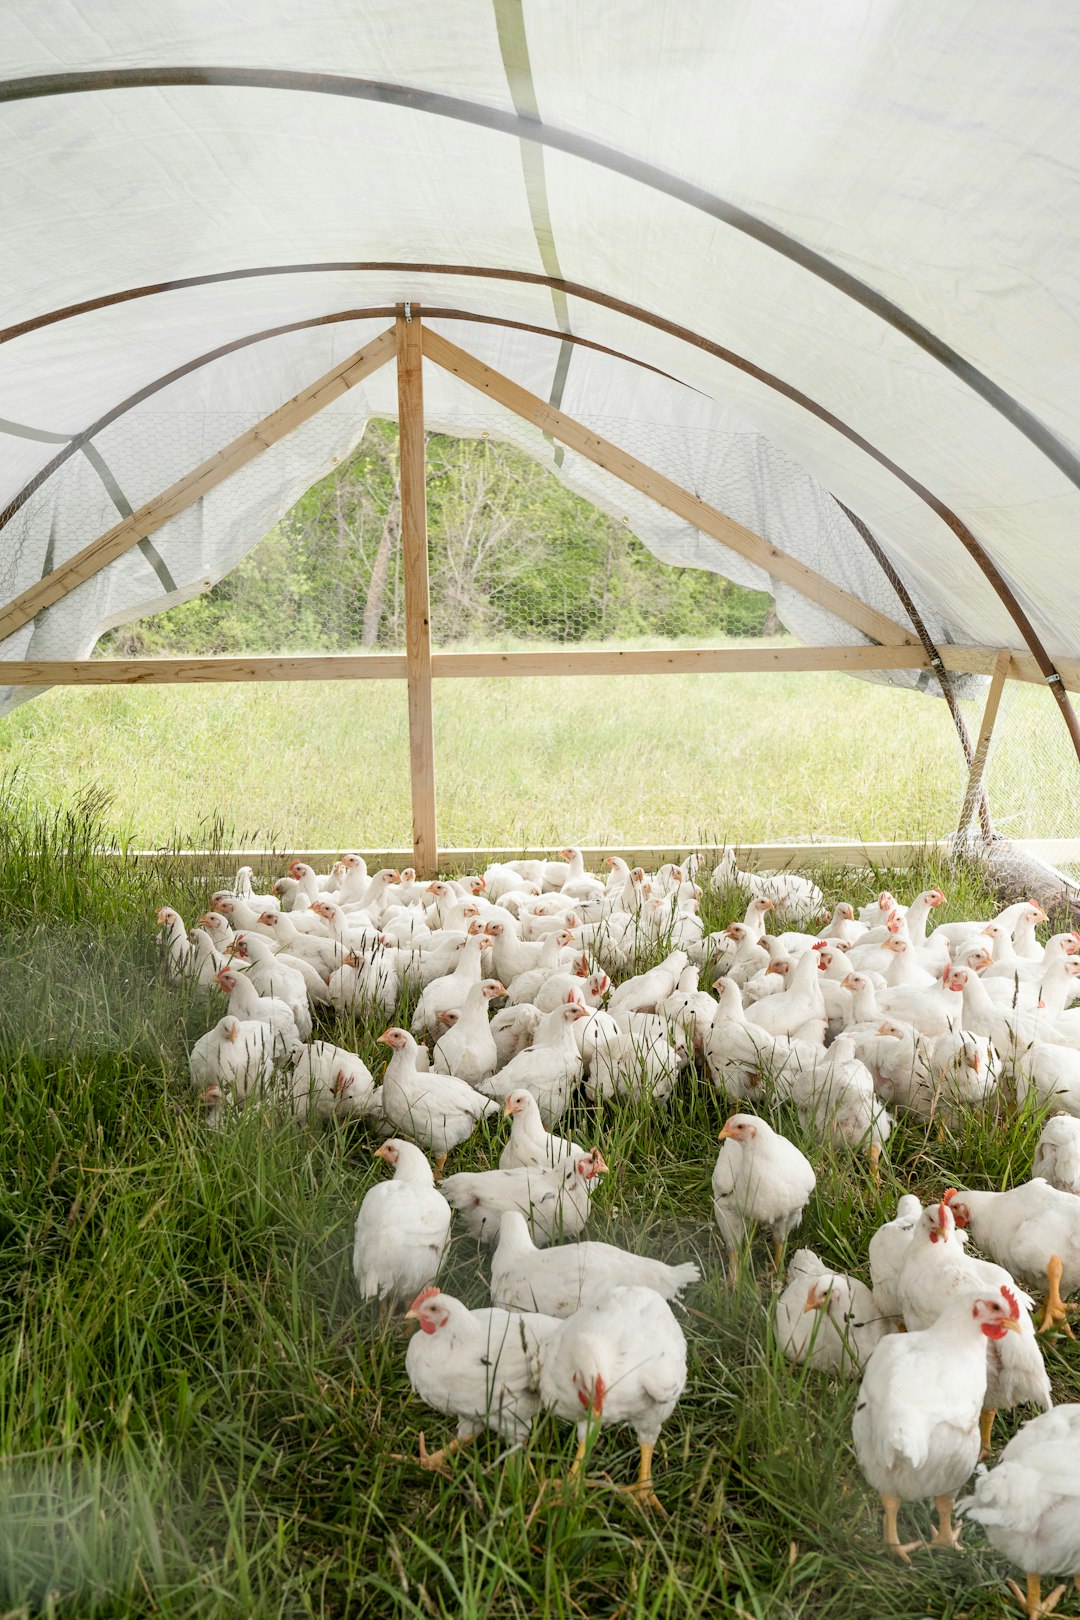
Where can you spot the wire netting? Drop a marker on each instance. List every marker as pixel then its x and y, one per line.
pixel 1032 775
pixel 517 558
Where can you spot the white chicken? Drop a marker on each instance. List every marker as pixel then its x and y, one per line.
pixel 329 1082
pixel 1029 1505
pixel 827 1320
pixel 916 1422
pixel 477 1365
pixel 246 1003
pixel 403 1228
pixel 934 1272
pixel 438 1110
pixel 1033 1231
pixel 561 1279
pixel 759 1179
pixel 1057 1155
pixel 620 1359
pixel 236 1055
pixel 548 1068
pixel 530 1144
pixel 467 1047
pixel 554 1200
pixel 888 1247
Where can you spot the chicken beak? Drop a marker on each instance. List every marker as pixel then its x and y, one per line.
pixel 1011 1324
pixel 813 1303
pixel 727 1134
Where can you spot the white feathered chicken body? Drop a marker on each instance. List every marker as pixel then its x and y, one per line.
pixel 477 1365
pixel 760 1179
pixel 1029 1504
pixel 403 1228
pixel 888 1247
pixel 916 1423
pixel 827 1320
pixel 1057 1156
pixel 936 1271
pixel 555 1200
pixel 438 1111
pixel 1023 1228
pixel 620 1359
pixel 560 1280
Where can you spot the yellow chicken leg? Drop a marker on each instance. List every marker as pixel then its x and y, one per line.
pixel 945 1532
pixel 433 1461
pixel 1031 1601
pixel 891 1533
pixel 1055 1310
pixel 643 1490
pixel 440 1165
pixel 986 1429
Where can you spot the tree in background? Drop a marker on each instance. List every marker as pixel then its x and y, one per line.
pixel 514 556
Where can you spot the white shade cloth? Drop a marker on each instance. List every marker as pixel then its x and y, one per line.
pixel 909 169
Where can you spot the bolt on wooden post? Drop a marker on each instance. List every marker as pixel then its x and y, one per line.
pixel 414 547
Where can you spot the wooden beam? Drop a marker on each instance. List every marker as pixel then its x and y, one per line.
pixel 194 484
pixel 541 662
pixel 664 491
pixel 982 747
pixel 459 665
pixel 1023 667
pixel 414 543
pixel 184 671
pixel 674 661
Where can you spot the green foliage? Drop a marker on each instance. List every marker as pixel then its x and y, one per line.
pixel 197 1419
pixel 513 555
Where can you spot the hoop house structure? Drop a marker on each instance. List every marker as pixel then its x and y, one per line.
pixel 840 276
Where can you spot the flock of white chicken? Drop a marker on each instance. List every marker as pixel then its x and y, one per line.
pixel 865 1014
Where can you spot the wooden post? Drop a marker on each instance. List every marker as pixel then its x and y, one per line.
pixel 982 747
pixel 417 599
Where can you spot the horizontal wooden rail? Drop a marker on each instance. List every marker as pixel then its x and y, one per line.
pixel 1022 666
pixel 461 665
pixel 546 661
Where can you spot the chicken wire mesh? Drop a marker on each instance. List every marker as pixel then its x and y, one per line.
pixel 1032 777
pixel 514 557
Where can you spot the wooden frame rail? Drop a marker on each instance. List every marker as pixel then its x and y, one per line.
pixel 487 665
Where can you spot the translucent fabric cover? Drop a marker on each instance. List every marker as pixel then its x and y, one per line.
pixel 909 263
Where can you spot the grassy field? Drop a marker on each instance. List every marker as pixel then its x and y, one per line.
pixel 198 1419
pixel 620 760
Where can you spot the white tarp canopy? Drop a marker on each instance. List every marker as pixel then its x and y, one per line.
pixel 874 206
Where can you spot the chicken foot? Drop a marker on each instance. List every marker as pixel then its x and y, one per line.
pixel 1032 1601
pixel 1055 1309
pixel 433 1460
pixel 891 1533
pixel 440 1165
pixel 945 1533
pixel 643 1492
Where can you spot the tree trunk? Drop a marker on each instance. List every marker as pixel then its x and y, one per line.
pixel 391 536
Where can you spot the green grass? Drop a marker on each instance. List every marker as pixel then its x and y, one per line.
pixel 198 1419
pixel 613 760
